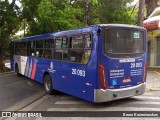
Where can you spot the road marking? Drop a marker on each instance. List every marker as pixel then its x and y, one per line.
pixel 97 118
pixel 71 102
pixel 147 97
pixel 83 102
pixel 140 105
pixel 127 108
pixel 143 102
pixel 68 97
pixel 30 83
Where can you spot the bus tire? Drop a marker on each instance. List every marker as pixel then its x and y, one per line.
pixel 48 84
pixel 17 70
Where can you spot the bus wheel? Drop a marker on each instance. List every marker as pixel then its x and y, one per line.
pixel 48 84
pixel 17 70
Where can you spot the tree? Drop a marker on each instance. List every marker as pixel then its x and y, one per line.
pixel 105 11
pixel 45 16
pixel 88 11
pixel 50 16
pixel 114 11
pixel 141 13
pixel 10 19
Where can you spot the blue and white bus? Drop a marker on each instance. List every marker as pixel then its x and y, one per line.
pixel 96 63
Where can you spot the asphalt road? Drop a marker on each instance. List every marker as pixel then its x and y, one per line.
pixel 150 101
pixel 66 107
pixel 14 89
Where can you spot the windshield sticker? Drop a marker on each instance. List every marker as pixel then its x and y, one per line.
pixel 136 72
pixel 114 82
pixel 117 73
pixel 126 60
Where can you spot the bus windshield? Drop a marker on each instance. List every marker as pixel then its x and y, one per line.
pixel 124 41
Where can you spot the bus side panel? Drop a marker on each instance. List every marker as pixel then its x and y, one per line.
pixel 41 68
pixel 77 79
pixel 30 67
pixel 36 67
pixel 21 61
pixel 67 82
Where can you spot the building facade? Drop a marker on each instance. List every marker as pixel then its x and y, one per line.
pixel 151 5
pixel 152 24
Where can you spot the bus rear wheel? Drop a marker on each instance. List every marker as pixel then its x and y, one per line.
pixel 48 84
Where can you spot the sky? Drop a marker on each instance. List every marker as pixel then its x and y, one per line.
pixel 133 3
pixel 130 4
pixel 17 3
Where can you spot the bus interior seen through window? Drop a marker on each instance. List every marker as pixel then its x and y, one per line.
pixel 76 49
pixel 124 41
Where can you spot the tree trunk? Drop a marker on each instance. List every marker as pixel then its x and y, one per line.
pixel 2 59
pixel 141 13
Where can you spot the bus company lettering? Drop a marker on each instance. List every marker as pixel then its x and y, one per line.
pixel 136 72
pixel 117 73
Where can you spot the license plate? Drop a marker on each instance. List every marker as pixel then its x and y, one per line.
pixel 126 80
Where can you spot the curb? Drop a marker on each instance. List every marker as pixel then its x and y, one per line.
pixel 7 73
pixel 152 89
pixel 20 105
pixel 155 72
pixel 24 103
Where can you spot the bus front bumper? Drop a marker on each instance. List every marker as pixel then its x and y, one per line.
pixel 101 95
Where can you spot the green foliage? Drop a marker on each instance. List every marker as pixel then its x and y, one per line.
pixel 43 16
pixel 52 16
pixel 10 18
pixel 114 11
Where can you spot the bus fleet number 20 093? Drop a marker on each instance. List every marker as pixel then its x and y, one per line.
pixel 78 72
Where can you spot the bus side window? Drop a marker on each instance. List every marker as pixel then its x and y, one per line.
pixel 87 50
pixel 31 48
pixel 48 44
pixel 17 48
pixel 23 50
pixel 58 49
pixel 65 48
pixel 39 48
pixel 77 48
pixel 48 53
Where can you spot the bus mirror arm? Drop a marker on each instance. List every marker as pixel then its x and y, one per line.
pixel 99 31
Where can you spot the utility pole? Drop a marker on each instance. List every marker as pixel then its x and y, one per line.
pixel 141 13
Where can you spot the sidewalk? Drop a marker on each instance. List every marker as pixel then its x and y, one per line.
pixel 153 80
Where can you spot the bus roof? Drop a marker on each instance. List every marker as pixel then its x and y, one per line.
pixel 74 31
